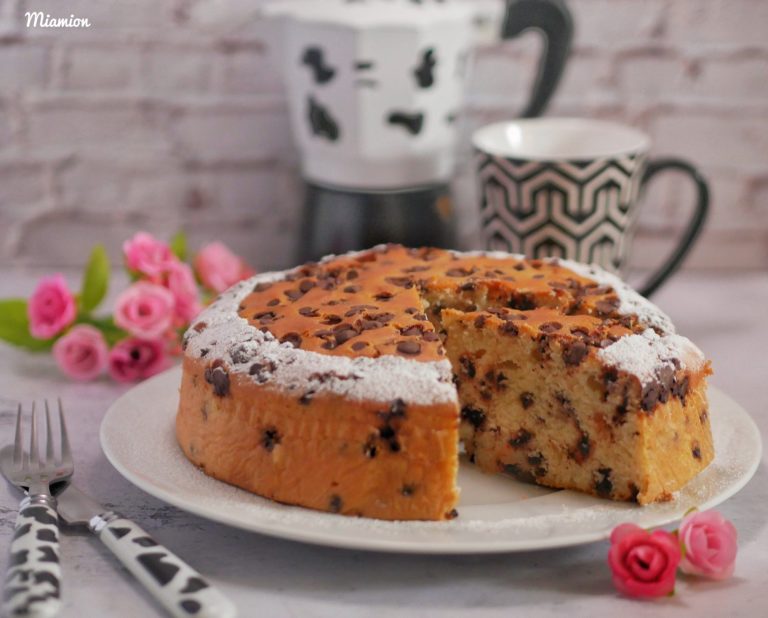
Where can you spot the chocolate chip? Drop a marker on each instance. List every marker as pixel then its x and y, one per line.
pixel 408 490
pixel 359 345
pixel 680 389
pixel 344 335
pixel 519 266
pixel 331 318
pixel 260 287
pixel 526 399
pixel 306 398
pixel 469 286
pixel 509 328
pixel 696 451
pixel 458 272
pixel 412 331
pixel 574 352
pixel 603 484
pixel 520 438
pixel 351 274
pixel 430 336
pixel 480 321
pixel 550 327
pixel 401 282
pixel 369 448
pixel 308 312
pixel 240 355
pixel 261 371
pixel 467 365
pixel 370 325
pixel 294 295
pixel 650 397
pixel 607 306
pixel 270 439
pixel 335 503
pixel 452 514
pixel 522 302
pixel 409 347
pixel 584 446
pixel 384 318
pixel 352 289
pixel 219 379
pixel 521 475
pixel 273 302
pixel 634 491
pixel 383 296
pixel 200 327
pixel 293 338
pixel 473 416
pixel 394 446
pixel 265 317
pixel 204 352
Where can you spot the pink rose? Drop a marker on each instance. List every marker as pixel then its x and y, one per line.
pixel 219 268
pixel 710 545
pixel 145 254
pixel 82 353
pixel 181 282
pixel 135 359
pixel 145 310
pixel 643 563
pixel 51 308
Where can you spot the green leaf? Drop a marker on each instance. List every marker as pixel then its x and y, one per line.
pixel 95 280
pixel 14 326
pixel 179 245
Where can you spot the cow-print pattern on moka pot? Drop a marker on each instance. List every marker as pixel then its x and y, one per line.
pixel 376 86
pixel 177 586
pixel 33 579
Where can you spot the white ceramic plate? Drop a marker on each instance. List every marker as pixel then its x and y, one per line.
pixel 497 514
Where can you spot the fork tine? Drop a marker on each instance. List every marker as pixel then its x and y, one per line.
pixel 34 457
pixel 66 453
pixel 18 446
pixel 49 436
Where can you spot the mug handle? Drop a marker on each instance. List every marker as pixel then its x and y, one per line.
pixel 693 230
pixel 553 19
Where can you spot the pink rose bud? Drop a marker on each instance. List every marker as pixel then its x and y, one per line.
pixel 643 564
pixel 136 359
pixel 51 308
pixel 710 545
pixel 148 256
pixel 219 268
pixel 145 310
pixel 82 353
pixel 180 281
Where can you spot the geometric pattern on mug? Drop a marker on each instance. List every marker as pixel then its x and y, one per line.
pixel 580 210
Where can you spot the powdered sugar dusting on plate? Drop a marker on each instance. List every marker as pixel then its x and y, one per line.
pixel 229 337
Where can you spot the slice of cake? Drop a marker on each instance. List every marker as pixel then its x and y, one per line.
pixel 331 385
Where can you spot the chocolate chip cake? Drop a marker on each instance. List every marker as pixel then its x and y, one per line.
pixel 347 385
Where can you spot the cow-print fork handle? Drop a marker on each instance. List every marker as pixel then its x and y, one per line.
pixel 175 584
pixel 33 580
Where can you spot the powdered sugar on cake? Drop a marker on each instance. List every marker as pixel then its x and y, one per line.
pixel 643 355
pixel 229 337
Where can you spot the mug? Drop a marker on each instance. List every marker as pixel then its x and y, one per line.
pixel 569 188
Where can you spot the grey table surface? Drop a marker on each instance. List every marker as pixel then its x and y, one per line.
pixel 726 314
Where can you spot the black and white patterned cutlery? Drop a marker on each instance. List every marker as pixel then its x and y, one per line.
pixel 176 585
pixel 33 579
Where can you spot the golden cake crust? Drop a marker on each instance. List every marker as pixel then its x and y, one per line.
pixel 331 385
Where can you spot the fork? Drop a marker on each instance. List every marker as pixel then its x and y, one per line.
pixel 33 580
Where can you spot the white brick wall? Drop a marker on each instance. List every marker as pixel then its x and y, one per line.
pixel 171 113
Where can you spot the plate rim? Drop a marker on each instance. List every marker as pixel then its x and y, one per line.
pixel 320 537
